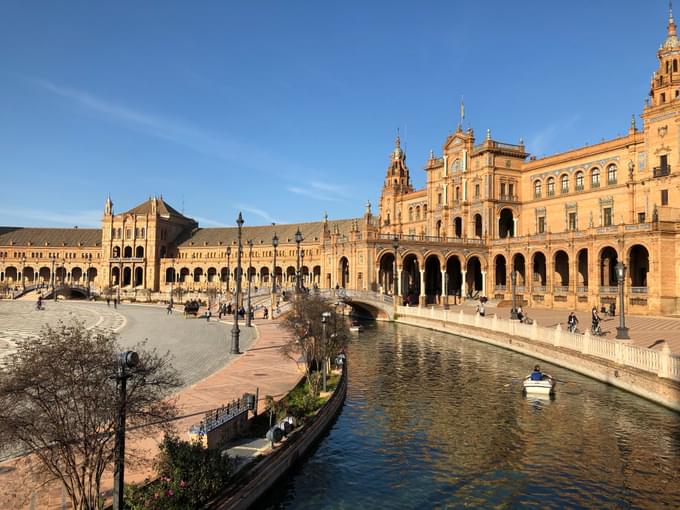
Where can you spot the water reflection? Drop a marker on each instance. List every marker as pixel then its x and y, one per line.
pixel 434 421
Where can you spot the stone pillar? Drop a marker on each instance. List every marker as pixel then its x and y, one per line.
pixel 444 294
pixel 483 283
pixel 463 275
pixel 422 297
pixel 399 274
pixel 514 227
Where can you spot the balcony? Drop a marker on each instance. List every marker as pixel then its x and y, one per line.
pixel 608 289
pixel 582 289
pixel 638 290
pixel 662 171
pixel 508 198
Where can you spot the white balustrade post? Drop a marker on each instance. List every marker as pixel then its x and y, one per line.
pixel 665 361
pixel 585 346
pixel 618 352
pixel 534 330
pixel 557 335
pixel 461 317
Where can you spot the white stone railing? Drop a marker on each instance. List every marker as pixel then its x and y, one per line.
pixel 662 363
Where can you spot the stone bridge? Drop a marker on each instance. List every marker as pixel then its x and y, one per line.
pixel 376 305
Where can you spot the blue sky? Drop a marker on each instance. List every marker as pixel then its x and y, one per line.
pixel 285 110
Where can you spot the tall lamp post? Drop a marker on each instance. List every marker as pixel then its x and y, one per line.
pixel 302 268
pixel 54 290
pixel 126 360
pixel 228 266
pixel 89 263
pixel 298 240
pixel 513 281
pixel 275 243
pixel 23 271
pixel 395 277
pixel 249 317
pixel 621 330
pixel 324 320
pixel 235 331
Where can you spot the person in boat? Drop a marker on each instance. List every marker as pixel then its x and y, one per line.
pixel 537 375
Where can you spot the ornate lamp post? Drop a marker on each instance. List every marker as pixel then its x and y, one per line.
pixel 228 266
pixel 89 263
pixel 54 290
pixel 126 360
pixel 235 331
pixel 395 276
pixel 23 270
pixel 63 272
pixel 324 320
pixel 302 267
pixel 621 330
pixel 513 281
pixel 298 240
pixel 249 317
pixel 275 243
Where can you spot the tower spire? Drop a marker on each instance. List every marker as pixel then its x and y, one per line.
pixel 672 29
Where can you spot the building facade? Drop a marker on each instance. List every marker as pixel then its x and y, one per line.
pixel 488 210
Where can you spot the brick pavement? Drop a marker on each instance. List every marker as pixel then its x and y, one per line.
pixel 261 366
pixel 644 331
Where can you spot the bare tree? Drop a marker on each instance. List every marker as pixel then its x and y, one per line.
pixel 59 400
pixel 309 341
pixel 211 293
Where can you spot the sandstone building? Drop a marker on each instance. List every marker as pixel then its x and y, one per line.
pixel 561 223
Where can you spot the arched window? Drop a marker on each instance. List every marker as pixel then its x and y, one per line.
pixel 611 174
pixel 457 193
pixel 116 252
pixel 579 181
pixel 410 214
pixel 418 213
pixel 564 183
pixel 595 178
pixel 537 189
pixel 139 252
pixel 675 65
pixel 551 186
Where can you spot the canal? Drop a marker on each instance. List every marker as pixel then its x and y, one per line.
pixel 435 421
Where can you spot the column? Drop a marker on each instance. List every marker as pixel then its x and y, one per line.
pixel 422 297
pixel 399 276
pixel 514 227
pixel 483 283
pixel 463 275
pixel 445 296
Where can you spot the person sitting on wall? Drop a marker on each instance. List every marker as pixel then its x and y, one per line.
pixel 537 375
pixel 520 313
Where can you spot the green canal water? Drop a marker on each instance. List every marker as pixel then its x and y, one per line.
pixel 436 421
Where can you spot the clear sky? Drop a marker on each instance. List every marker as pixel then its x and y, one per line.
pixel 288 109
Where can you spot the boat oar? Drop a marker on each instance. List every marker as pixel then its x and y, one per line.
pixel 514 381
pixel 564 382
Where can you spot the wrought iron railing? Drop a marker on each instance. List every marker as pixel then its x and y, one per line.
pixel 661 171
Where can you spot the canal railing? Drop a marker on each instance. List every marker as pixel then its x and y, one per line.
pixel 661 363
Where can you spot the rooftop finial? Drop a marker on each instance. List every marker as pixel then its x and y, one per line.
pixel 672 29
pixel 397 142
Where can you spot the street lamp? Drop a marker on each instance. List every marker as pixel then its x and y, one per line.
pixel 89 263
pixel 23 270
pixel 228 266
pixel 54 290
pixel 250 263
pixel 126 360
pixel 275 243
pixel 302 267
pixel 235 330
pixel 395 277
pixel 324 320
pixel 513 310
pixel 621 330
pixel 298 240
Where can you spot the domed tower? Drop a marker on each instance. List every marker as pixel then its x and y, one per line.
pixel 665 86
pixel 397 184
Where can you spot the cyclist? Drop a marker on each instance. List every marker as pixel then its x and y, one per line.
pixel 596 321
pixel 572 321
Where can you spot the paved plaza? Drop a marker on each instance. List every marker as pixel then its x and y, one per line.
pixel 198 347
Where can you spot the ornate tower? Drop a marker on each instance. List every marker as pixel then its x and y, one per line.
pixel 665 86
pixel 397 183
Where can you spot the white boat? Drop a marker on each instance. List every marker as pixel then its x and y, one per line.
pixel 355 327
pixel 546 386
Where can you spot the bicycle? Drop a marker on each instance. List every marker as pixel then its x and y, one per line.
pixel 596 329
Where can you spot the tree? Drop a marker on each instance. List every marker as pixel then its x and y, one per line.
pixel 305 324
pixel 59 400
pixel 211 293
pixel 178 292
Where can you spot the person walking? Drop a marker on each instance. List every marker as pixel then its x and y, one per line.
pixel 265 313
pixel 169 308
pixel 108 301
pixel 115 302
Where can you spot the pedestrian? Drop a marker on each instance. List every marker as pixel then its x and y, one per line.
pixel 265 313
pixel 480 308
pixel 208 313
pixel 115 302
pixel 108 301
pixel 169 309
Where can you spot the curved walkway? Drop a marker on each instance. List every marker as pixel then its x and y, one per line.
pixel 261 366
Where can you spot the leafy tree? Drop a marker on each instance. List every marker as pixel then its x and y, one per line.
pixel 189 475
pixel 59 400
pixel 309 341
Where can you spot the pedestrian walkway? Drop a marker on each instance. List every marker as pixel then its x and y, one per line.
pixel 260 367
pixel 645 331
